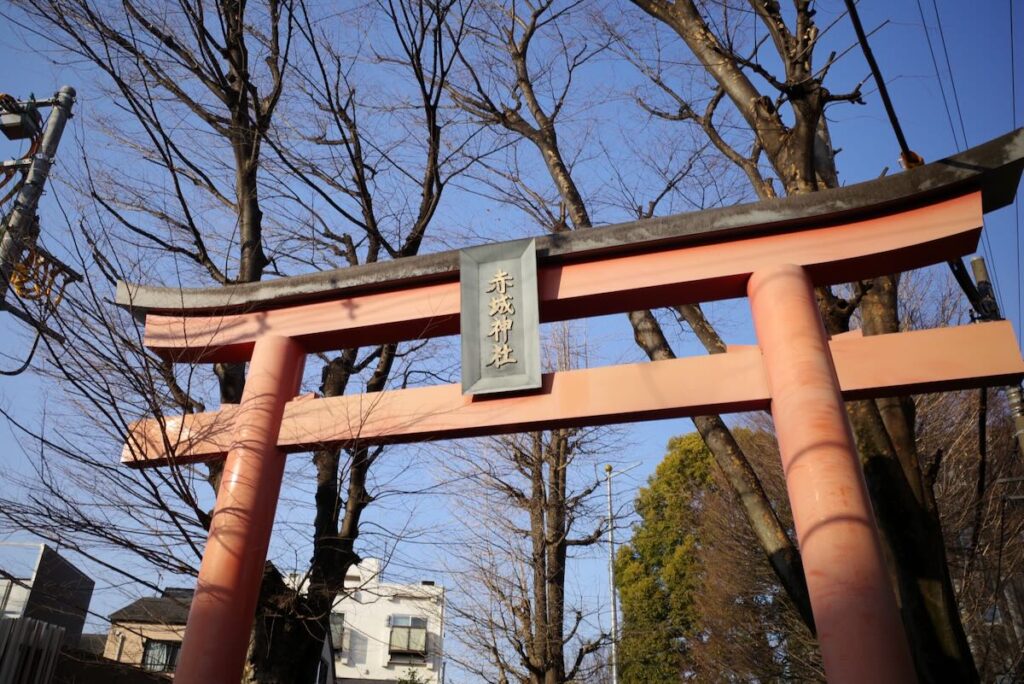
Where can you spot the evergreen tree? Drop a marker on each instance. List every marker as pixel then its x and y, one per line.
pixel 658 572
pixel 697 598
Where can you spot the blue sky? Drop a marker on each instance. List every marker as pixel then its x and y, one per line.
pixel 977 38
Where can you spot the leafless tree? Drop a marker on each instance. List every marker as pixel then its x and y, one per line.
pixel 238 140
pixel 974 472
pixel 749 629
pixel 517 96
pixel 526 506
pixel 783 112
pixel 760 102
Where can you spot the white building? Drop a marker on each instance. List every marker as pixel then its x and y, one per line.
pixel 381 631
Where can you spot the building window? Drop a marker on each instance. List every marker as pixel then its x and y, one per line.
pixel 337 633
pixel 160 656
pixel 408 636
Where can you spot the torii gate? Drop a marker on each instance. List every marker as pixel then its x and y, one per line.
pixel 774 252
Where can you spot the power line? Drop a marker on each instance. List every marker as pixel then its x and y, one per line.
pixel 1016 200
pixel 935 63
pixel 949 70
pixel 908 157
pixel 985 241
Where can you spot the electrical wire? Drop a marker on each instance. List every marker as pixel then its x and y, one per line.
pixel 935 63
pixel 24 366
pixel 13 171
pixel 1016 200
pixel 949 70
pixel 985 241
pixel 956 265
pixel 883 91
pixel 909 158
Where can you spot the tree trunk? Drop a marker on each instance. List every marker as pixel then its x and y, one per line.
pixel 884 428
pixel 907 515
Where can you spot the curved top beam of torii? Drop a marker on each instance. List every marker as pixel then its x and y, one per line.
pixel 892 224
pixel 994 168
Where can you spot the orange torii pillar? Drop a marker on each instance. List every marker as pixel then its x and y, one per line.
pixel 220 618
pixel 858 622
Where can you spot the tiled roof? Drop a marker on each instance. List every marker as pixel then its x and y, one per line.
pixel 169 609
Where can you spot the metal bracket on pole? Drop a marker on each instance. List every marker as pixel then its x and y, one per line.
pixel 15 163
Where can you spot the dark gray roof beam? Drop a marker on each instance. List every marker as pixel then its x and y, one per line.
pixel 993 167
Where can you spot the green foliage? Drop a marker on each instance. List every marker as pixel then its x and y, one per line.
pixel 699 600
pixel 658 572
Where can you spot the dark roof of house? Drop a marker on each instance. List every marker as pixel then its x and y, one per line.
pixel 171 608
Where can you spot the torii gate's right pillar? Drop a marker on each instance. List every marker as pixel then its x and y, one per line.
pixel 858 622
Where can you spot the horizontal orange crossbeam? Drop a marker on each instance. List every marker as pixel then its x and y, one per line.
pixel 920 361
pixel 661 276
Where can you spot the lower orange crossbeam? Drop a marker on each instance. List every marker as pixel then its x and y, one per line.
pixel 911 362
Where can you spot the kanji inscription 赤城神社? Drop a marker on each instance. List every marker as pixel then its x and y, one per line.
pixel 500 326
pixel 501 309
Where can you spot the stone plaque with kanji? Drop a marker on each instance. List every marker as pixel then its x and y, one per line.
pixel 500 318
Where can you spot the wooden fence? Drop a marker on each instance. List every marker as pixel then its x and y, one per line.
pixel 28 650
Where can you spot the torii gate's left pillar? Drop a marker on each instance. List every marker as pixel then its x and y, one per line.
pixel 220 619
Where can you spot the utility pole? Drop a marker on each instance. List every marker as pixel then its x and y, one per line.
pixel 19 228
pixel 608 475
pixel 989 310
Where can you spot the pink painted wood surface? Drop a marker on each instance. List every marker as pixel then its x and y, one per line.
pixel 858 622
pixel 920 361
pixel 658 276
pixel 221 614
